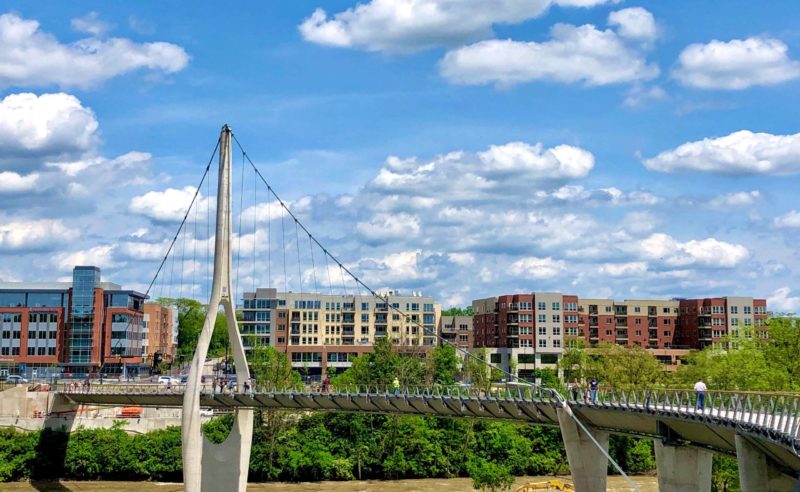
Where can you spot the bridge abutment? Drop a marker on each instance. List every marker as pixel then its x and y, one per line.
pixel 683 468
pixel 587 463
pixel 758 473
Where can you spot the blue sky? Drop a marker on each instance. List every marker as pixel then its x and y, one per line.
pixel 625 149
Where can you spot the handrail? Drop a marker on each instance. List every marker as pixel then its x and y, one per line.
pixel 776 413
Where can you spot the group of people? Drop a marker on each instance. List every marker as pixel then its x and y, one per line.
pixel 589 393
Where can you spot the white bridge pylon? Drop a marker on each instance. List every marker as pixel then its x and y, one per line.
pixel 208 466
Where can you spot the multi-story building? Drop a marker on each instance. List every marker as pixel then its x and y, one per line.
pixel 456 330
pixel 161 328
pixel 322 331
pixel 707 321
pixel 666 328
pixel 79 327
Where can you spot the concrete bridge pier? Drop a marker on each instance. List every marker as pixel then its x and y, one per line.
pixel 683 468
pixel 587 463
pixel 757 472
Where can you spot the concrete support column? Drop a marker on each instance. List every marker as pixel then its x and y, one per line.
pixel 757 473
pixel 683 469
pixel 587 463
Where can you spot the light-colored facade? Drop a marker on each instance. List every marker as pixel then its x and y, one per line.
pixel 321 331
pixel 162 330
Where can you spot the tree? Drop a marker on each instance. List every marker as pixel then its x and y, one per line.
pixel 457 311
pixel 574 363
pixel 625 367
pixel 487 475
pixel 271 369
pixel 445 364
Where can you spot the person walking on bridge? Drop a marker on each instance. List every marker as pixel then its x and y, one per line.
pixel 700 390
pixel 396 386
pixel 593 389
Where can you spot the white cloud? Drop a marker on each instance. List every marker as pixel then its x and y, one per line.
pixel 736 64
pixel 737 199
pixel 604 196
pixel 495 172
pixel 635 23
pixel 575 54
pixel 781 300
pixel 538 268
pixel 50 126
pixel 169 205
pixel 462 259
pixel 709 252
pixel 403 26
pixel 788 220
pixel 742 152
pixel 132 161
pixel 400 267
pixel 631 269
pixel 385 227
pixel 31 57
pixel 11 182
pixel 90 24
pixel 99 256
pixel 30 235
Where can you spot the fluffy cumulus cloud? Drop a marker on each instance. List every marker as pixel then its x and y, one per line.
pixel 169 205
pixel 401 26
pixel 629 269
pixel 635 23
pixel 35 129
pixel 31 57
pixel 537 268
pixel 99 256
pixel 789 220
pixel 574 54
pixel 11 182
pixel 385 227
pixel 736 64
pixel 604 196
pixel 782 300
pixel 493 172
pixel 708 252
pixel 742 152
pixel 33 235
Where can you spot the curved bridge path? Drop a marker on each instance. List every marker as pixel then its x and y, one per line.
pixel 762 430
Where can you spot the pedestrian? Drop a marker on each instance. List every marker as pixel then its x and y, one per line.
pixel 221 386
pixel 231 385
pixel 593 389
pixel 574 389
pixel 247 386
pixel 169 385
pixel 396 385
pixel 326 384
pixel 700 390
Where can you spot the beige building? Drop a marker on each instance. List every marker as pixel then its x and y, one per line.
pixel 320 331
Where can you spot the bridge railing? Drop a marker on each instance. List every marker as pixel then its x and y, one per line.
pixel 777 412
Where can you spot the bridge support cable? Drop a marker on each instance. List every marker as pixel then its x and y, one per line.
pixel 360 283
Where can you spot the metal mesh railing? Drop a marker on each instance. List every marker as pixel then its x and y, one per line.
pixel 776 415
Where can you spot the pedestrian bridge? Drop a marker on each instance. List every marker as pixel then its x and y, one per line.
pixel 763 430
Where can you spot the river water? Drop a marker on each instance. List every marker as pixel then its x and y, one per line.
pixel 615 483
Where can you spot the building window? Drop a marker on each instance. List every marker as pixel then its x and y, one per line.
pixel 542 343
pixel 542 306
pixel 495 358
pixel 557 330
pixel 556 306
pixel 734 309
pixel 556 318
pixel 542 330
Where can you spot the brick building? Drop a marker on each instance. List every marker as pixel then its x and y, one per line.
pixel 80 327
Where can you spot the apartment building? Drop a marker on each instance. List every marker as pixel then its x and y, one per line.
pixel 80 327
pixel 707 321
pixel 323 331
pixel 528 331
pixel 159 332
pixel 456 330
